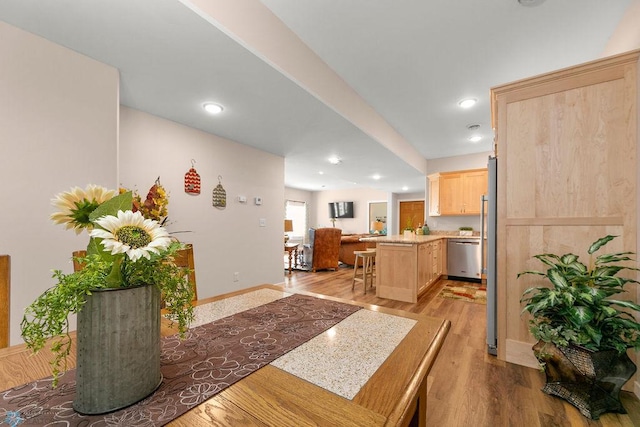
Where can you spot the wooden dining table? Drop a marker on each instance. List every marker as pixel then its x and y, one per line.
pixel 394 395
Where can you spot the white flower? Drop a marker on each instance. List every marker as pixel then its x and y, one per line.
pixel 77 204
pixel 131 234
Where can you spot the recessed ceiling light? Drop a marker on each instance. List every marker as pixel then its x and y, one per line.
pixel 320 172
pixel 467 103
pixel 475 138
pixel 531 3
pixel 212 108
pixel 405 188
pixel 376 177
pixel 334 160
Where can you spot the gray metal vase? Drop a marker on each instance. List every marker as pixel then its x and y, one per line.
pixel 118 355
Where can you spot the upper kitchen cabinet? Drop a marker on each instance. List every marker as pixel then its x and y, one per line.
pixel 567 152
pixel 457 193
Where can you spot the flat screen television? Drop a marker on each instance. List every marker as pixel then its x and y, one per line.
pixel 341 210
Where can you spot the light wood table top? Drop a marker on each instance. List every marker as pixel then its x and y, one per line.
pixel 271 396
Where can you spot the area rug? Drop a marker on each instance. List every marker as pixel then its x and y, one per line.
pixel 212 357
pixel 466 291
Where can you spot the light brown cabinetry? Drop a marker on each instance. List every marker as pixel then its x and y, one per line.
pixel 405 270
pixel 567 149
pixel 434 195
pixel 457 193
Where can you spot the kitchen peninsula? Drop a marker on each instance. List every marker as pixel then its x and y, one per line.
pixel 408 266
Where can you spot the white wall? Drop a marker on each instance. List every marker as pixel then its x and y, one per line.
pixel 58 121
pixel 227 240
pixel 360 197
pixel 59 115
pixel 448 164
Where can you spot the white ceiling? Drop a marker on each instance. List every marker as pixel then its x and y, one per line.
pixel 410 60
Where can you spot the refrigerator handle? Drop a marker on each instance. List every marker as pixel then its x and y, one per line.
pixel 483 267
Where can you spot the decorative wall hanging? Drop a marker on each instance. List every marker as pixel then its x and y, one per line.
pixel 192 180
pixel 219 198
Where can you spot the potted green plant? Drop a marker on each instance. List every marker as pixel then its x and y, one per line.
pixel 408 229
pixel 465 231
pixel 128 266
pixel 582 333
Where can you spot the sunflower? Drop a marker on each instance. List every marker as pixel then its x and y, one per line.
pixel 131 234
pixel 77 204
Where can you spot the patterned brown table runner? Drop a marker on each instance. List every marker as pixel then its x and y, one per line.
pixel 213 357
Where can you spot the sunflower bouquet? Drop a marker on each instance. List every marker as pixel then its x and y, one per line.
pixel 125 250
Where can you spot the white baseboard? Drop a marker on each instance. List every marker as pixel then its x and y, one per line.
pixel 520 353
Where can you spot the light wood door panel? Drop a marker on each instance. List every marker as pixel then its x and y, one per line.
pixel 411 210
pixel 451 194
pixel 474 185
pixel 567 175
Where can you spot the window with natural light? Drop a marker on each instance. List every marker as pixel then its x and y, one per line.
pixel 297 212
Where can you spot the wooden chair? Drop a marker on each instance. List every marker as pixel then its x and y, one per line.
pixel 184 258
pixel 77 266
pixel 5 306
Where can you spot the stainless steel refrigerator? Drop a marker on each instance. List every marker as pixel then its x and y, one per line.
pixel 488 231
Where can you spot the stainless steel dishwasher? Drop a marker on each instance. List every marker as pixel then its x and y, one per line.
pixel 463 259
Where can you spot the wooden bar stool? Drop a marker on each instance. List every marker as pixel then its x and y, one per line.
pixel 368 258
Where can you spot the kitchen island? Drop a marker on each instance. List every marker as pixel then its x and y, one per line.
pixel 408 266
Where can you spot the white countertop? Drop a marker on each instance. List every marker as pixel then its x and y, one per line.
pixel 420 238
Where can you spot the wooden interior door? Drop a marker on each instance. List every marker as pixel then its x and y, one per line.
pixel 413 211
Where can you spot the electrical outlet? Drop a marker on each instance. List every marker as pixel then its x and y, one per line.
pixel 236 276
pixel 263 222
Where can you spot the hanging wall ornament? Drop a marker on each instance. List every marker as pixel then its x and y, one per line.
pixel 219 198
pixel 192 180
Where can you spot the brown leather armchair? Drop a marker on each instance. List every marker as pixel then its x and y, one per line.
pixel 322 251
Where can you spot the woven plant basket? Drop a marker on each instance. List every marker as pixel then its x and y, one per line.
pixel 589 380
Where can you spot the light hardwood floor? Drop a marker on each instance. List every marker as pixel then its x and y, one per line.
pixel 468 387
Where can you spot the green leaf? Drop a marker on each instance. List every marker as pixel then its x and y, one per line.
pixel 551 260
pixel 122 202
pixel 617 257
pixel 568 259
pixel 609 311
pixel 568 298
pixel 114 279
pixel 539 273
pixel 600 243
pixel 586 296
pixel 627 323
pixel 626 304
pixel 609 270
pixel 594 334
pixel 581 315
pixel 577 266
pixel 557 278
